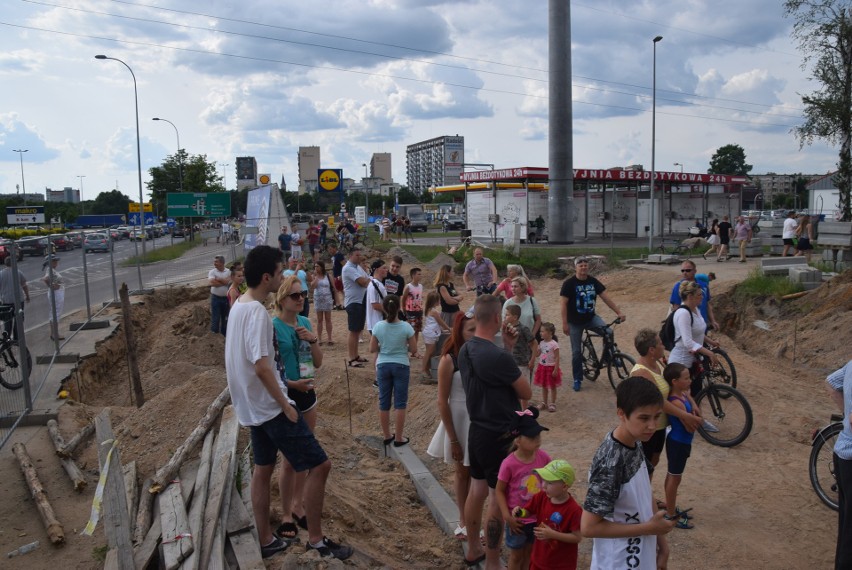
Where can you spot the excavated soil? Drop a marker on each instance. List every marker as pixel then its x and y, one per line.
pixel 753 504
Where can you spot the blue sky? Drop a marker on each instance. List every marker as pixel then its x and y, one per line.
pixel 260 78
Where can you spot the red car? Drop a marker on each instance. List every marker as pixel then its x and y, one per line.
pixel 5 248
pixel 60 242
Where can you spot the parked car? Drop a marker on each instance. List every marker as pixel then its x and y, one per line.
pixel 97 242
pixel 179 231
pixel 5 248
pixel 453 222
pixel 76 238
pixel 115 235
pixel 61 243
pixel 139 235
pixel 33 245
pixel 125 231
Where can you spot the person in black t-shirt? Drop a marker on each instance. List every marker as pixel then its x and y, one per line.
pixel 494 386
pixel 338 260
pixel 726 231
pixel 394 282
pixel 579 294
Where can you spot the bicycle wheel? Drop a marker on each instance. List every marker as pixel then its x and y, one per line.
pixel 724 372
pixel 821 465
pixel 366 241
pixel 728 411
pixel 591 369
pixel 11 372
pixel 619 368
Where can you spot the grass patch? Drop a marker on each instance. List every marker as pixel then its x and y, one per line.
pixel 166 253
pixel 759 285
pixel 99 553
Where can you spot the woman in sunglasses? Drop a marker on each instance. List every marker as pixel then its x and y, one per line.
pixel 300 356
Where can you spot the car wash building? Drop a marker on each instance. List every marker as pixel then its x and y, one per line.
pixel 605 201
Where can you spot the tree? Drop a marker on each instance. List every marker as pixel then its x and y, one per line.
pixel 112 202
pixel 199 175
pixel 729 159
pixel 823 29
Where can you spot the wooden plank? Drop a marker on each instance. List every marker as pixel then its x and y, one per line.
pixel 131 488
pixel 115 517
pixel 188 473
pixel 111 561
pixel 240 524
pixel 177 540
pixel 216 520
pixel 196 511
pixel 245 491
pixel 145 550
pixel 144 517
pixel 215 498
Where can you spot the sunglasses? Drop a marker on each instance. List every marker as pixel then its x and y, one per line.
pixel 687 270
pixel 298 296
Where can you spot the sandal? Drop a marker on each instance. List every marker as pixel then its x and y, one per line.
pixel 355 363
pixel 683 523
pixel 389 440
pixel 474 562
pixel 684 514
pixel 400 443
pixel 287 530
pixel 551 408
pixel 361 359
pixel 302 521
pixel 460 533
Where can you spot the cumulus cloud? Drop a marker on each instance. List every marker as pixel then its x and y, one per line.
pixel 14 134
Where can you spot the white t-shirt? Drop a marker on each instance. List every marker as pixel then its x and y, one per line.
pixel 219 290
pixel 352 292
pixel 251 340
pixel 373 296
pixel 789 231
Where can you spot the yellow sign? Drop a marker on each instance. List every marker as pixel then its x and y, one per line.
pixel 329 180
pixel 134 207
pixel 264 179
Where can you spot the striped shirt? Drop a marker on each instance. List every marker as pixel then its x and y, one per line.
pixel 841 380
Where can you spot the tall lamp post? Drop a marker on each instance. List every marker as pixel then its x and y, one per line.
pixel 81 176
pixel 180 156
pixel 23 182
pixel 366 195
pixel 138 160
pixel 225 176
pixel 653 143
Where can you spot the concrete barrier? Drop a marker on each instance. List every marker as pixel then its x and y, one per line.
pixel 780 265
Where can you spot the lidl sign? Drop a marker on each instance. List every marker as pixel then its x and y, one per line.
pixel 330 180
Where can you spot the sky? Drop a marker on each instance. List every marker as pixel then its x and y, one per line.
pixel 354 77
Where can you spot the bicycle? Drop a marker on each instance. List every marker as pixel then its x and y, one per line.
pixel 724 372
pixel 821 462
pixel 618 364
pixel 724 407
pixel 675 247
pixel 11 373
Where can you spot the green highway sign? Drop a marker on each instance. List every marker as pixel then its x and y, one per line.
pixel 198 205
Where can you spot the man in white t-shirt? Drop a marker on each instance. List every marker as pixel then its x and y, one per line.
pixel 355 282
pixel 219 279
pixel 260 400
pixel 789 232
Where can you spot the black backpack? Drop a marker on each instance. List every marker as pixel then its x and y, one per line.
pixel 667 331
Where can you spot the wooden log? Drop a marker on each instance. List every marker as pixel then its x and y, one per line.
pixel 130 339
pixel 115 516
pixel 167 472
pixel 145 550
pixel 177 540
pixel 143 515
pixel 131 488
pixel 77 477
pixel 221 481
pixel 794 295
pixel 75 441
pixel 55 532
pixel 196 511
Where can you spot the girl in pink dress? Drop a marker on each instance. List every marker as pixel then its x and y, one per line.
pixel 548 375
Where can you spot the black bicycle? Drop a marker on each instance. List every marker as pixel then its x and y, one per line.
pixel 724 371
pixel 11 371
pixel 727 413
pixel 821 464
pixel 618 364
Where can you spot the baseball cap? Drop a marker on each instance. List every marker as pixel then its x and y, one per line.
pixel 580 259
pixel 557 470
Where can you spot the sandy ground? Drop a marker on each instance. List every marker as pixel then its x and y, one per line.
pixel 753 504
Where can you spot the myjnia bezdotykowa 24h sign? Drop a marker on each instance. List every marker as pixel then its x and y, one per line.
pixel 198 205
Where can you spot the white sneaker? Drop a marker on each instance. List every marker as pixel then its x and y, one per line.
pixel 710 428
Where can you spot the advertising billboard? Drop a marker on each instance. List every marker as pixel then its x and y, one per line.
pixel 330 180
pixel 453 159
pixel 246 168
pixel 24 215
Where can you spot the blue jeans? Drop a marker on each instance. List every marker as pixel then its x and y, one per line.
pixel 219 309
pixel 393 379
pixel 577 343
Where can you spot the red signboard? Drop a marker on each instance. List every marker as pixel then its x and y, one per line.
pixel 527 172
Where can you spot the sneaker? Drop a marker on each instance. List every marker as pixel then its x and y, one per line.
pixel 576 385
pixel 375 383
pixel 277 545
pixel 709 428
pixel 331 549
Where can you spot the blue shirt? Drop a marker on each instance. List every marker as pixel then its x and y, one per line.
pixel 288 344
pixel 303 277
pixel 393 341
pixel 705 299
pixel 841 380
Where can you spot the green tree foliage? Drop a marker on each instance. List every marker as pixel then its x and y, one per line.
pixel 112 202
pixel 729 159
pixel 199 175
pixel 823 29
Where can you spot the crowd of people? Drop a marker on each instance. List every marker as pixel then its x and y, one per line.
pixel 486 360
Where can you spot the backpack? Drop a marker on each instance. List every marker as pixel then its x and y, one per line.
pixel 667 331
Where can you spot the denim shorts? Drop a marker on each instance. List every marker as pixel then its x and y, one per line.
pixel 393 379
pixel 519 541
pixel 295 440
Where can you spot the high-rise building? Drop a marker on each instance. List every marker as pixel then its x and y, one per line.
pixel 309 164
pixel 435 162
pixel 380 168
pixel 67 194
pixel 246 172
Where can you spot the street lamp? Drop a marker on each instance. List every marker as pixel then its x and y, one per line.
pixel 138 160
pixel 23 182
pixel 366 194
pixel 81 176
pixel 180 156
pixel 653 141
pixel 681 166
pixel 225 176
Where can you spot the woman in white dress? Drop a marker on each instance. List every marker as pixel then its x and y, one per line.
pixel 450 439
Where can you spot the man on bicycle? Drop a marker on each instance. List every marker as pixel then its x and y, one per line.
pixel 7 293
pixel 579 295
pixel 480 274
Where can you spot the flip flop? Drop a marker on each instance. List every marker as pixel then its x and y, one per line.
pixel 389 440
pixel 355 363
pixel 474 562
pixel 400 443
pixel 361 359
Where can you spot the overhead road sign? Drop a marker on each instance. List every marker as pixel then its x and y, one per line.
pixel 198 204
